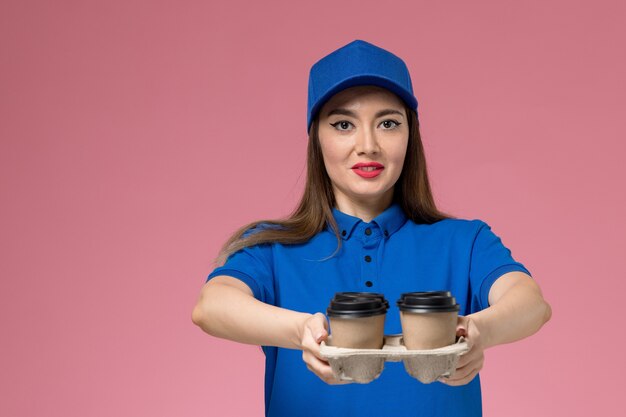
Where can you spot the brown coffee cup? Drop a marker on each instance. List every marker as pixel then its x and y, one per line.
pixel 428 319
pixel 357 320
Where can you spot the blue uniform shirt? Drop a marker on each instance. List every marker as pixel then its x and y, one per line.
pixel 389 255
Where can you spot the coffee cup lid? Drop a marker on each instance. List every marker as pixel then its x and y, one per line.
pixel 428 302
pixel 358 294
pixel 361 295
pixel 427 294
pixel 352 307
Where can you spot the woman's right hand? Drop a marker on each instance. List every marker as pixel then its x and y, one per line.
pixel 314 331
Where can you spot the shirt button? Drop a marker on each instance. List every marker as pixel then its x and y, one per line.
pixel 368 283
pixel 368 231
pixel 368 258
pixel 386 233
pixel 343 233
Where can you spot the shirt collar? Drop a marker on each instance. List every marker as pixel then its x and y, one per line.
pixel 389 221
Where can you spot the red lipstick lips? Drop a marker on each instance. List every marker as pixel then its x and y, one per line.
pixel 368 173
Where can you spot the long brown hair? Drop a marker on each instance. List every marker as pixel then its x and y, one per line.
pixel 412 192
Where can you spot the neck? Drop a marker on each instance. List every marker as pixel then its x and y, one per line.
pixel 364 209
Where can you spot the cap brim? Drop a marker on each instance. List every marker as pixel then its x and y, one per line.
pixel 363 79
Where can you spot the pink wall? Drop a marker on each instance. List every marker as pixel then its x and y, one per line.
pixel 137 135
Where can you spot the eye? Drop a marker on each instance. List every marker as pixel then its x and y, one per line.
pixel 342 123
pixel 386 124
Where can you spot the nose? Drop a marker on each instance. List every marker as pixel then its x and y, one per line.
pixel 367 141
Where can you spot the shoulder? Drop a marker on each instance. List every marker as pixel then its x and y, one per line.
pixel 260 227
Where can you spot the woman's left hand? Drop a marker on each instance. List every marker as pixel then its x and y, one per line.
pixel 472 361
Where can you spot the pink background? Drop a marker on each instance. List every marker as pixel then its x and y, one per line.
pixel 137 135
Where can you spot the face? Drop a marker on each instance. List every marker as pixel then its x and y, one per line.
pixel 363 124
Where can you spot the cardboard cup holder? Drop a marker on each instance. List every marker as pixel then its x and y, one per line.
pixel 365 365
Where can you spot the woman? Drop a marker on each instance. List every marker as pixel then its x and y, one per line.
pixel 366 222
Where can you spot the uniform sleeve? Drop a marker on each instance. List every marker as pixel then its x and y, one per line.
pixel 254 266
pixel 490 259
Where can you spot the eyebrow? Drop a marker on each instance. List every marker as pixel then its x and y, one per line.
pixel 350 113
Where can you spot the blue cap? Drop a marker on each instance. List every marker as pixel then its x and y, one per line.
pixel 357 63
